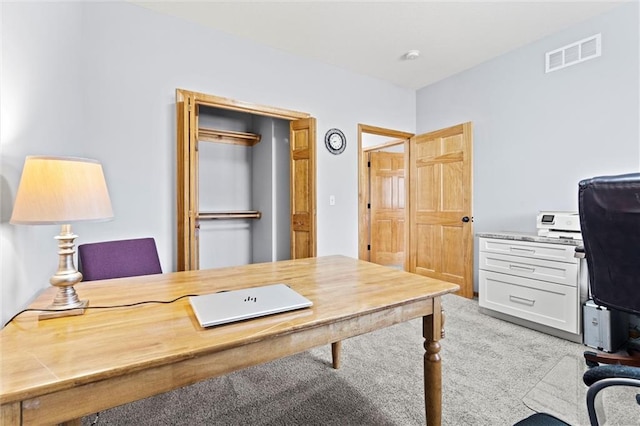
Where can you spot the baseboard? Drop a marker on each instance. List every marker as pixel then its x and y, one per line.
pixel 577 338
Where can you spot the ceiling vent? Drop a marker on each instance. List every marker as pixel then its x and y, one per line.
pixel 574 53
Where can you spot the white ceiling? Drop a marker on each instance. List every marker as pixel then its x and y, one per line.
pixel 371 37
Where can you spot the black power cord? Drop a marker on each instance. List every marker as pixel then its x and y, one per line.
pixel 128 305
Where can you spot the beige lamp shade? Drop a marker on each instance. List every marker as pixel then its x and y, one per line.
pixel 61 190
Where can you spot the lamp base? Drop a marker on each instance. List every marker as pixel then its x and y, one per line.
pixel 66 302
pixel 58 312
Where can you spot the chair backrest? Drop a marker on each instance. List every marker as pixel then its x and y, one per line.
pixel 117 259
pixel 609 208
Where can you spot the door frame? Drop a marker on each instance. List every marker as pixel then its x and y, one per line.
pixel 364 193
pixel 187 103
pixel 364 226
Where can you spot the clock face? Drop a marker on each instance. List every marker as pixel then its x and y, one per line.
pixel 335 141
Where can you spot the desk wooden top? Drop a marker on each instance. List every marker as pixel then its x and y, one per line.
pixel 38 357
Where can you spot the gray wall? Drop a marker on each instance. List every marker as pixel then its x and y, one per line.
pixel 268 182
pixel 262 183
pixel 282 189
pixel 39 108
pixel 535 134
pixel 98 79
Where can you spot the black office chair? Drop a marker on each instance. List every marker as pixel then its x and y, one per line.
pixel 609 208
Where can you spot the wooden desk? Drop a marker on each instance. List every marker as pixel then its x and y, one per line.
pixel 61 369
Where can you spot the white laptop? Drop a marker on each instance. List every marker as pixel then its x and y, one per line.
pixel 237 305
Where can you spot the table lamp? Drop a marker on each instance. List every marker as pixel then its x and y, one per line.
pixel 62 190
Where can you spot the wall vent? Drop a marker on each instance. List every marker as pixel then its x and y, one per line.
pixel 574 53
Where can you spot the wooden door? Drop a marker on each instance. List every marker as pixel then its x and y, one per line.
pixel 303 188
pixel 387 195
pixel 440 217
pixel 390 138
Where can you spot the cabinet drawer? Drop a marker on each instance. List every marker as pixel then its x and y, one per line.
pixel 541 302
pixel 547 251
pixel 537 269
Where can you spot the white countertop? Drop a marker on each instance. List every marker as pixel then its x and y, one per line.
pixel 528 236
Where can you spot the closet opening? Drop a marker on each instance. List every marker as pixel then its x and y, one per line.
pixel 245 182
pixel 243 188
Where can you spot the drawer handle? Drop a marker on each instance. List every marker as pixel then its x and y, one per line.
pixel 526 250
pixel 522 268
pixel 521 300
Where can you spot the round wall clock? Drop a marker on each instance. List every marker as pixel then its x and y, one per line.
pixel 335 141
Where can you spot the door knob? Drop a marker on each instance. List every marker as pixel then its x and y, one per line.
pixel 465 219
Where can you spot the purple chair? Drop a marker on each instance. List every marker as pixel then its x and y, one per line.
pixel 117 259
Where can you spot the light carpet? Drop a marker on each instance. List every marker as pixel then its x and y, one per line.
pixel 562 392
pixel 494 373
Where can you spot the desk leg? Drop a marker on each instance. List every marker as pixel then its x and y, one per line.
pixel 336 348
pixel 11 414
pixel 432 330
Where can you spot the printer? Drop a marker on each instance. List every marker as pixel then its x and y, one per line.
pixel 558 224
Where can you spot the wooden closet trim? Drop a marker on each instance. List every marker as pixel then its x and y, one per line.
pixel 231 104
pixel 381 131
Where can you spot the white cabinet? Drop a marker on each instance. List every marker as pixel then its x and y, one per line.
pixel 532 282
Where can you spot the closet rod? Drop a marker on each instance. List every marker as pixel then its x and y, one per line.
pixel 228 136
pixel 249 214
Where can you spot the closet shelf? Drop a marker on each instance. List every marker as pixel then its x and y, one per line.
pixel 246 214
pixel 227 136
